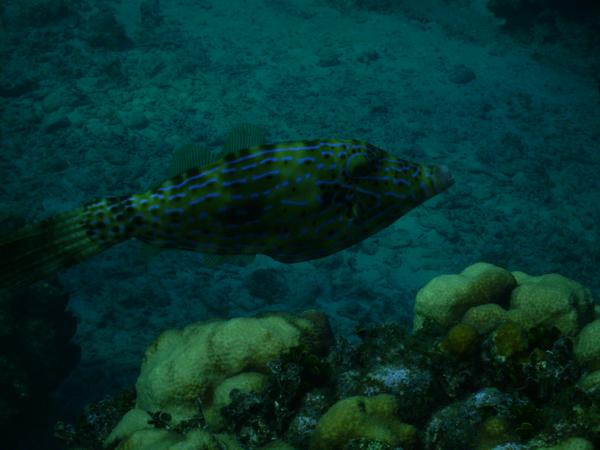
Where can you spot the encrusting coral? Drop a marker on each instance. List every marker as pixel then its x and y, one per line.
pixel 496 361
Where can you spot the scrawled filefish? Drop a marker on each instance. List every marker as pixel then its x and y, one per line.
pixel 292 201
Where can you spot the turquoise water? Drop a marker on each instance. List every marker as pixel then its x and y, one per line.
pixel 96 96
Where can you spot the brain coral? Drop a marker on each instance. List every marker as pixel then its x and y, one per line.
pixel 446 298
pixel 184 368
pixel 479 294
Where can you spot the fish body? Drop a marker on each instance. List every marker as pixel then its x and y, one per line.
pixel 292 201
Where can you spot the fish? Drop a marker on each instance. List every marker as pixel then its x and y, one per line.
pixel 292 201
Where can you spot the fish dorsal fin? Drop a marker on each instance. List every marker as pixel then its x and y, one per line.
pixel 244 135
pixel 189 156
pixel 192 155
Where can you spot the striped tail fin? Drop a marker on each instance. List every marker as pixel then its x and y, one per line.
pixel 43 249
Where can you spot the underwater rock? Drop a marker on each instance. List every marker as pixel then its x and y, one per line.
pixel 106 33
pixel 372 418
pixel 302 426
pixel 55 121
pixel 446 298
pixel 136 120
pixel 483 420
pixel 151 15
pixel 45 12
pixel 413 388
pixel 461 74
pixel 59 98
pixel 269 285
pixel 17 87
pixel 184 369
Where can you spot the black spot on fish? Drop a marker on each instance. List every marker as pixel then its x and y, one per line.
pixel 230 156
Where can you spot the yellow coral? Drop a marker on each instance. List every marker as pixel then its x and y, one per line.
pixel 551 300
pixel 485 318
pixel 446 298
pixel 184 368
pixel 590 383
pixel 461 340
pixel 509 339
pixel 587 346
pixel 494 431
pixel 363 417
pixel 244 382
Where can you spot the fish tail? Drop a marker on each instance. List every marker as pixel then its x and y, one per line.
pixel 45 248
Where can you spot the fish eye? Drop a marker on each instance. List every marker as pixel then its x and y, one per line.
pixel 358 165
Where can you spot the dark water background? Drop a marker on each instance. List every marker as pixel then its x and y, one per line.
pixel 95 97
